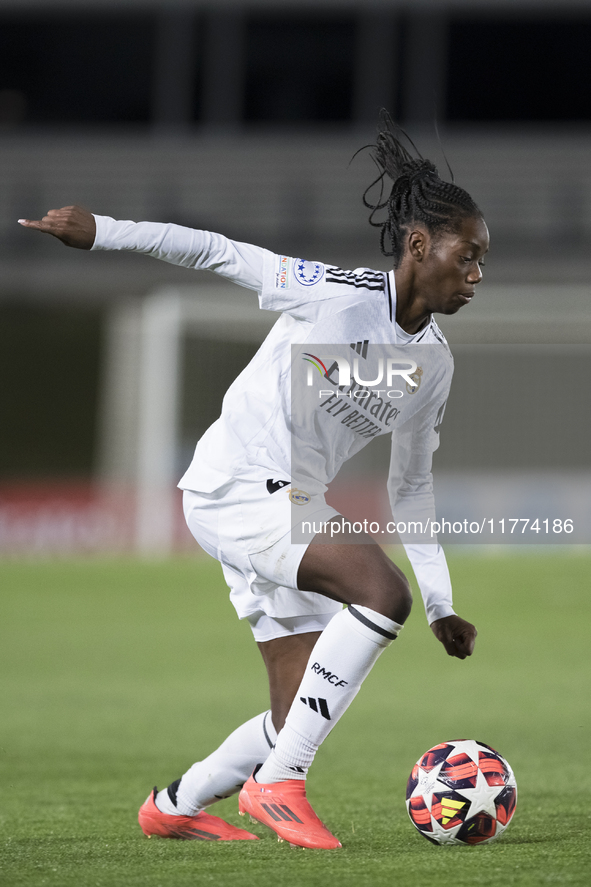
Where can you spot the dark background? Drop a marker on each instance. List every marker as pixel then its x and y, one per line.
pixel 69 68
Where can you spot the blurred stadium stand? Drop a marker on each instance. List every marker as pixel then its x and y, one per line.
pixel 242 117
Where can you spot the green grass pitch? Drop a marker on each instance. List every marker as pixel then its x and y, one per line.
pixel 118 675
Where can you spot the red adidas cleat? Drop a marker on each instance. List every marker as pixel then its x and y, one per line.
pixel 201 827
pixel 283 806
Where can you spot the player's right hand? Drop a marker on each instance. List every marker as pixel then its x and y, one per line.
pixel 73 225
pixel 457 636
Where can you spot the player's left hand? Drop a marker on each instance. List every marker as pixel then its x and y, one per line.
pixel 457 636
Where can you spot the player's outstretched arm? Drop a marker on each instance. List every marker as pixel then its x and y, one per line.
pixel 242 263
pixel 73 225
pixel 457 636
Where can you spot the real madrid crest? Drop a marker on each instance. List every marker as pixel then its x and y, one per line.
pixel 298 497
pixel 416 377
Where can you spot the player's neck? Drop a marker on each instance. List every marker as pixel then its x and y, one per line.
pixel 411 313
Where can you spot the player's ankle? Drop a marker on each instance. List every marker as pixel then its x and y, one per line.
pixel 164 804
pixel 168 801
pixel 276 770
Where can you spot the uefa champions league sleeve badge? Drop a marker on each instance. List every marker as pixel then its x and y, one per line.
pixel 307 273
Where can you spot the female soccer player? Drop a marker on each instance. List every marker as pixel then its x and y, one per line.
pixel 239 490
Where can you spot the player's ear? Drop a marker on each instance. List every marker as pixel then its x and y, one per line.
pixel 417 244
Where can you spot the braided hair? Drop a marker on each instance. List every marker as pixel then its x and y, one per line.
pixel 418 194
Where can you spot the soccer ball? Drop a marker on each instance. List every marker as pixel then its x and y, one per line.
pixel 461 792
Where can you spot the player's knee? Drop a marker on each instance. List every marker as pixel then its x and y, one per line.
pixel 398 602
pixel 392 597
pixel 403 601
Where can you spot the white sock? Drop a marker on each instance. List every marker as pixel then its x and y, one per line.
pixel 341 660
pixel 222 773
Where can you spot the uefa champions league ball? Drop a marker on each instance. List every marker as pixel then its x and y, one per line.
pixel 461 792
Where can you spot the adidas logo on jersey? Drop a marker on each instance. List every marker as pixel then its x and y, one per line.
pixel 317 705
pixel 360 348
pixel 274 485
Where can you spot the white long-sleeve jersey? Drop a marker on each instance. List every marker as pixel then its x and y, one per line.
pixel 320 305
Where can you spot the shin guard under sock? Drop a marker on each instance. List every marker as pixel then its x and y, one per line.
pixel 341 660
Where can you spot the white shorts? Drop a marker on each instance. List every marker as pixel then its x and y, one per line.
pixel 248 530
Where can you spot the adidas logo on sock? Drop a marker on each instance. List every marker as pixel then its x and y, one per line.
pixel 317 705
pixel 360 347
